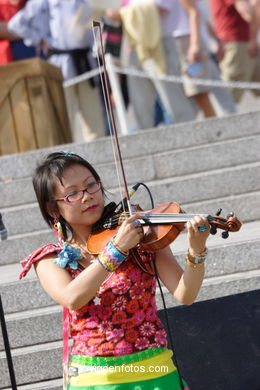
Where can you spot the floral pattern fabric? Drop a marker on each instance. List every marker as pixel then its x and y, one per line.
pixel 122 318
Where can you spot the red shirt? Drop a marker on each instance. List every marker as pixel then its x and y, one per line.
pixel 8 8
pixel 229 25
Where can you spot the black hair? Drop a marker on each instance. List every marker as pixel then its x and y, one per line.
pixel 43 182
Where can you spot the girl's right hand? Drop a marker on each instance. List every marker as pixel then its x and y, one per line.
pixel 129 233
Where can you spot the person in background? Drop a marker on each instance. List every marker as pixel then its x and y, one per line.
pixel 161 116
pixel 153 51
pixel 109 296
pixel 61 28
pixel 237 24
pixel 185 26
pixel 12 47
pixel 208 44
pixel 223 96
pixel 112 37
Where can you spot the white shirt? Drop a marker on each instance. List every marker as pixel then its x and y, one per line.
pixel 174 22
pixel 60 23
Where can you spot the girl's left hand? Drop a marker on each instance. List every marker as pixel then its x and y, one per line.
pixel 196 238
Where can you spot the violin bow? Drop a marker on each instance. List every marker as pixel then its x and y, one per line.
pixel 110 112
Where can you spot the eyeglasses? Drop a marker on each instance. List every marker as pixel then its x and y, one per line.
pixel 74 196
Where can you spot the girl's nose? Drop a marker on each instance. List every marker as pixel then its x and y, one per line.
pixel 86 196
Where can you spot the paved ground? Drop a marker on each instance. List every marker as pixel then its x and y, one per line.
pixel 248 103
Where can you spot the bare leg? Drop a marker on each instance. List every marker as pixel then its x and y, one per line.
pixel 204 103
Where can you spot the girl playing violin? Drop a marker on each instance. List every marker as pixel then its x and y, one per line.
pixel 110 297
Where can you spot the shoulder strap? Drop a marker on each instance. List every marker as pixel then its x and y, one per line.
pixel 65 329
pixel 65 333
pixel 65 353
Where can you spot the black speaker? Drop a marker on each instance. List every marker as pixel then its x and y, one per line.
pixel 217 342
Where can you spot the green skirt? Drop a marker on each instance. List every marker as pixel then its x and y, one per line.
pixel 155 373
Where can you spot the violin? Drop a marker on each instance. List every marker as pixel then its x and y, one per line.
pixel 161 226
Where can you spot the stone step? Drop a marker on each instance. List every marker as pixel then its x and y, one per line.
pixel 169 164
pixel 201 187
pixel 55 384
pixel 47 321
pixel 17 247
pixel 33 364
pixel 141 143
pixel 43 361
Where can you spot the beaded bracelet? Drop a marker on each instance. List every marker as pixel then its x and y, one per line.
pixel 110 257
pixel 191 264
pixel 203 253
pixel 197 259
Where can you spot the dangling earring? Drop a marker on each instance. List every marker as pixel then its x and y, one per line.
pixel 58 230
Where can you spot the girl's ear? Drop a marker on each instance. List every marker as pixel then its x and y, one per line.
pixel 51 212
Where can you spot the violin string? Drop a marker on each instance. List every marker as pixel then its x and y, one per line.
pixel 165 216
pixel 109 119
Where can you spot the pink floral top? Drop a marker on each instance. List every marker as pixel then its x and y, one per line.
pixel 122 318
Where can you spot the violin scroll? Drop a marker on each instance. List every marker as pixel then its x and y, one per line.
pixel 229 224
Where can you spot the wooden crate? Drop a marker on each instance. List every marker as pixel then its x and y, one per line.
pixel 32 107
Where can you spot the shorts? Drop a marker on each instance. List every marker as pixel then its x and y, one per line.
pixel 205 72
pixel 238 65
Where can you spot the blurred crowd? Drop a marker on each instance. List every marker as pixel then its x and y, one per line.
pixel 212 40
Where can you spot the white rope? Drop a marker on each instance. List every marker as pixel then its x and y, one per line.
pixel 197 81
pixel 83 77
pixel 173 79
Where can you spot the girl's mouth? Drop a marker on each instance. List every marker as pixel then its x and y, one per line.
pixel 91 208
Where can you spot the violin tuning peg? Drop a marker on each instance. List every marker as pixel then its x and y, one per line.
pixel 218 212
pixel 231 214
pixel 225 234
pixel 213 230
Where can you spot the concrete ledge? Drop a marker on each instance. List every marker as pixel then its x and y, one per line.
pixel 55 384
pixel 199 187
pixel 168 138
pixel 154 167
pixel 208 185
pixel 33 364
pixel 24 295
pixel 208 157
pixel 20 326
pixel 244 206
pixel 15 249
pixel 20 192
pixel 219 287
